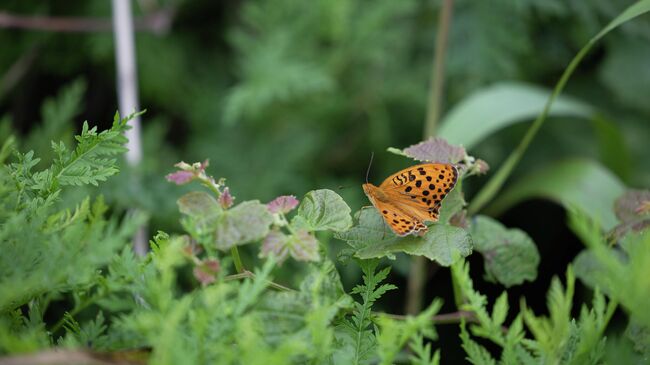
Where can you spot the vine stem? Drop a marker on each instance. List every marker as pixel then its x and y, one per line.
pixel 236 259
pixel 489 190
pixel 247 274
pixel 417 274
pixel 438 69
pixel 444 318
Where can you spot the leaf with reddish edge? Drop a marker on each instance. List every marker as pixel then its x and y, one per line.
pixel 180 177
pixel 283 204
pixel 205 272
pixel 436 149
pixel 302 246
pixel 275 243
pixel 226 199
pixel 630 205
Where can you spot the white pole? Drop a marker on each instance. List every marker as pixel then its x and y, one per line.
pixel 127 92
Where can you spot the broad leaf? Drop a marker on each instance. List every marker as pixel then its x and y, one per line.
pixel 433 150
pixel 371 238
pixel 244 223
pixel 202 209
pixel 322 210
pixel 510 254
pixel 576 182
pixel 498 106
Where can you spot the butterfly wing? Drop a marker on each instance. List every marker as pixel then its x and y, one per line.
pixel 418 191
pixel 399 221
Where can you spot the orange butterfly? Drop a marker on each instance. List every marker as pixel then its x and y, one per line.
pixel 413 196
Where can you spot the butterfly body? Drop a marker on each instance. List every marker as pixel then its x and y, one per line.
pixel 412 196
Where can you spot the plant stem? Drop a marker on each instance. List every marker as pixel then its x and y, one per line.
pixel 75 311
pixel 496 182
pixel 236 259
pixel 416 281
pixel 438 69
pixel 445 318
pixel 417 274
pixel 248 274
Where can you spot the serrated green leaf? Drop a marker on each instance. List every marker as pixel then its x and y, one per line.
pixel 373 239
pixel 510 254
pixel 322 210
pixel 476 354
pixel 244 223
pixel 500 309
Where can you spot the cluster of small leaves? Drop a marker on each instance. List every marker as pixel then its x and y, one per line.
pixel 320 210
pixel 621 272
pixel 394 334
pixel 558 338
pixel 49 253
pixel 215 222
pixel 91 161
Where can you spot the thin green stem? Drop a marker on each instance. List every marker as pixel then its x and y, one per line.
pixel 438 69
pixel 236 259
pixel 415 285
pixel 444 318
pixel 248 274
pixel 75 311
pixel 417 274
pixel 496 182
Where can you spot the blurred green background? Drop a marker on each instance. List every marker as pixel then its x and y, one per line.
pixel 286 96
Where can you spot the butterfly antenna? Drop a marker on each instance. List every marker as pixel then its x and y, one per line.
pixel 372 154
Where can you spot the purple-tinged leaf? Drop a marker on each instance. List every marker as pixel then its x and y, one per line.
pixel 204 165
pixel 180 177
pixel 304 247
pixel 205 272
pixel 275 243
pixel 245 222
pixel 202 210
pixel 283 204
pixel 226 199
pixel 212 265
pixel 632 205
pixel 184 166
pixel 459 219
pixel 481 166
pixel 436 150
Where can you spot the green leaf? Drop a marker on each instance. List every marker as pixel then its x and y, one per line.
pixel 510 254
pixel 244 223
pixel 576 182
pixel 640 336
pixel 322 210
pixel 476 354
pixel 587 268
pixel 500 309
pixel 493 186
pixel 453 203
pixel 501 105
pixel 371 238
pixel 624 280
pixel 203 210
